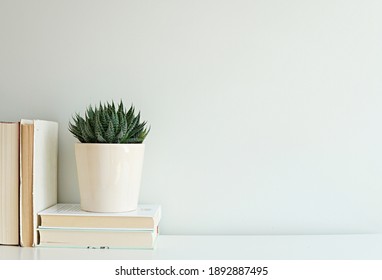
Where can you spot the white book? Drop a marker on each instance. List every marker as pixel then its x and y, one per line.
pixel 38 174
pixel 9 183
pixel 64 215
pixel 97 238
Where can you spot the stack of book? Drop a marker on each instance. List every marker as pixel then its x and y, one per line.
pixel 66 225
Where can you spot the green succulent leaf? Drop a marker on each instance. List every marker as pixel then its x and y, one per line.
pixel 108 123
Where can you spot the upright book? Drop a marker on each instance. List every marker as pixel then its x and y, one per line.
pixel 9 183
pixel 38 174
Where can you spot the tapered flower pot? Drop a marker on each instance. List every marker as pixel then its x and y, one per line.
pixel 109 176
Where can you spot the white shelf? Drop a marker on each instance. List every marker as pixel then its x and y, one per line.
pixel 172 247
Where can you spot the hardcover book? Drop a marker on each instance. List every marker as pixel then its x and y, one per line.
pixel 146 217
pixel 38 174
pixel 9 183
pixel 97 238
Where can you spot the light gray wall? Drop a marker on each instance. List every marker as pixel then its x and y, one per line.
pixel 266 115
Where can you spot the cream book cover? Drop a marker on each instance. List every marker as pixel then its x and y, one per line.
pixel 9 183
pixel 93 238
pixel 64 215
pixel 38 174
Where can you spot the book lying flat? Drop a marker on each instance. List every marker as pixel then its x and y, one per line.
pixel 97 238
pixel 9 183
pixel 147 216
pixel 38 174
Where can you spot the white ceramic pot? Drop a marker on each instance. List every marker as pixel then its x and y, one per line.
pixel 109 176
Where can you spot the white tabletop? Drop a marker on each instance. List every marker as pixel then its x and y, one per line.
pixel 257 247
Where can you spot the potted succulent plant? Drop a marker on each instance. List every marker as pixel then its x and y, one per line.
pixel 109 157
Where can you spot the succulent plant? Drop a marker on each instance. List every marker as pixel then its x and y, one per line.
pixel 108 124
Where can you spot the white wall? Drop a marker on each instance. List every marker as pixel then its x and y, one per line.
pixel 266 115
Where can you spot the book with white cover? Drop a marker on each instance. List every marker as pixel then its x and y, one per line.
pixel 65 215
pixel 97 238
pixel 9 183
pixel 38 174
